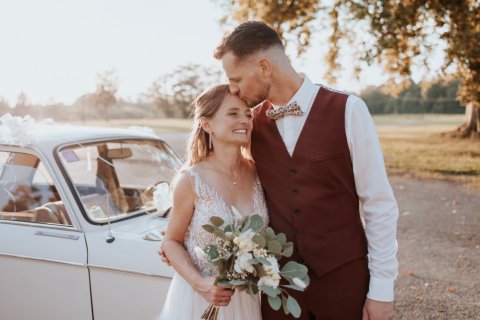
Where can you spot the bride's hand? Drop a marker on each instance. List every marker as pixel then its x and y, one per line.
pixel 216 295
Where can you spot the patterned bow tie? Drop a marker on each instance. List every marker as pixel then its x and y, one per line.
pixel 291 109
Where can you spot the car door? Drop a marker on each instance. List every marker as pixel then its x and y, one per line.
pixel 43 254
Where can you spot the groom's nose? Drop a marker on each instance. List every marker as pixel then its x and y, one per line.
pixel 234 90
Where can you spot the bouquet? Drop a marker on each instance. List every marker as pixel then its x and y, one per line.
pixel 247 259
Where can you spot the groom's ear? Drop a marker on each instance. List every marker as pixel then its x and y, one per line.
pixel 265 67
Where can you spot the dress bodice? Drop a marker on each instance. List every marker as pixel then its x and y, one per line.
pixel 208 203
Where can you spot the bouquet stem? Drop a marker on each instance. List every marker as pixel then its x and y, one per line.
pixel 211 313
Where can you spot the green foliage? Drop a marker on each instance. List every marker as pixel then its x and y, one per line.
pixel 426 97
pixel 263 246
pixel 396 34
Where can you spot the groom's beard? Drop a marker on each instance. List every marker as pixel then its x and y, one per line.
pixel 261 95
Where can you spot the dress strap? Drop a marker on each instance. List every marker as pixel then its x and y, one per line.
pixel 193 181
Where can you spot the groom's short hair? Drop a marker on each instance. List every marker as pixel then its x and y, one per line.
pixel 248 38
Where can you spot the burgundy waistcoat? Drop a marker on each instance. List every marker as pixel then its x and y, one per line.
pixel 311 196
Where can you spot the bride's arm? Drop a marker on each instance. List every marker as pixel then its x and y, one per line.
pixel 173 245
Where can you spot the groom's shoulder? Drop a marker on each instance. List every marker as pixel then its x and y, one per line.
pixel 332 90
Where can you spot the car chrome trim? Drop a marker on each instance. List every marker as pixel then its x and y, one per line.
pixel 57 235
pixel 42 259
pixel 40 225
pixel 126 271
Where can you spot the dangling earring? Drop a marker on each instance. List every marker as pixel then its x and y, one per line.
pixel 210 145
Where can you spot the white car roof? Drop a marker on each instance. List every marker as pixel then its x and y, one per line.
pixel 58 134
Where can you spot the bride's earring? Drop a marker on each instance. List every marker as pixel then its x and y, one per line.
pixel 210 145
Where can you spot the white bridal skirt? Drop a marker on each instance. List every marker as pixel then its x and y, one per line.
pixel 183 303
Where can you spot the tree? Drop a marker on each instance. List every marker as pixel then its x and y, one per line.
pixel 396 34
pixel 174 92
pixel 4 106
pixel 291 19
pixel 105 95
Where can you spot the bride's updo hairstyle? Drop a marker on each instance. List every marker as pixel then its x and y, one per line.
pixel 205 105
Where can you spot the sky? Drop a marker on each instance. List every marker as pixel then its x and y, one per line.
pixel 53 49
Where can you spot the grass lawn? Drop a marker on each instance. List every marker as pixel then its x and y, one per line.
pixel 417 145
pixel 412 144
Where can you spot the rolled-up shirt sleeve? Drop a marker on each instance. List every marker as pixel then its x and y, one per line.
pixel 380 210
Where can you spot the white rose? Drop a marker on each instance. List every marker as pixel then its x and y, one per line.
pixel 242 264
pixel 299 283
pixel 268 281
pixel 273 268
pixel 244 241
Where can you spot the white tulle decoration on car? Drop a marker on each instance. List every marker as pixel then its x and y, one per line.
pixel 20 130
pixel 17 130
pixel 162 197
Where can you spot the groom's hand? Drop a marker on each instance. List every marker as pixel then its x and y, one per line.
pixel 377 310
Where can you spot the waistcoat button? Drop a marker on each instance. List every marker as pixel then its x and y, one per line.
pixel 295 191
pixel 296 211
pixel 293 172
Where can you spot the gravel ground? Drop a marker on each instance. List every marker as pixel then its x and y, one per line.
pixel 439 250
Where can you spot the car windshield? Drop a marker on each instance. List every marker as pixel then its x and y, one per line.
pixel 117 179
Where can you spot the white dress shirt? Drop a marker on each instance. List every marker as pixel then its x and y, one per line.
pixel 377 202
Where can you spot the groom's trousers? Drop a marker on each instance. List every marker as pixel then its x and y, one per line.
pixel 337 295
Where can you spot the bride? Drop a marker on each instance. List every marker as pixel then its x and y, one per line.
pixel 219 175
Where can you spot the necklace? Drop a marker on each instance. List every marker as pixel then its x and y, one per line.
pixel 232 177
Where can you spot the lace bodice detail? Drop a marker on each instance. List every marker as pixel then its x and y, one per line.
pixel 209 203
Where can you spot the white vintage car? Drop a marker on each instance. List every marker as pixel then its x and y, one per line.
pixel 81 210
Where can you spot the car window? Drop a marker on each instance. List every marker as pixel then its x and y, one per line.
pixel 119 179
pixel 27 191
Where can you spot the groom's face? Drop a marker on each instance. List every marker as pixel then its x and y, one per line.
pixel 246 79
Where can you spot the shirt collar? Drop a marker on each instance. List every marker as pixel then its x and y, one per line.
pixel 304 94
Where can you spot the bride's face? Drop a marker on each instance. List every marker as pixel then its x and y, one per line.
pixel 232 123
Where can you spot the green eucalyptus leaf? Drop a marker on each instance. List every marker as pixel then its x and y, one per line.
pixel 284 305
pixel 292 286
pixel 269 291
pixel 264 261
pixel 217 221
pixel 294 269
pixel 275 302
pixel 274 247
pixel 219 233
pixel 258 239
pixel 208 228
pixel 293 307
pixel 238 282
pixel 269 234
pixel 256 222
pixel 225 283
pixel 288 251
pixel 228 228
pixel 282 238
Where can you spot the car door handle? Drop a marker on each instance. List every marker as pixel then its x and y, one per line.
pixel 56 235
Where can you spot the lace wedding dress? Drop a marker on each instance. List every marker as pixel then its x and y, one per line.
pixel 183 303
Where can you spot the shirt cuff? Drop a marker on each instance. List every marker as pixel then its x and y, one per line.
pixel 381 289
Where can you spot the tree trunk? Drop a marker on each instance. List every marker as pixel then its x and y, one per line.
pixel 471 127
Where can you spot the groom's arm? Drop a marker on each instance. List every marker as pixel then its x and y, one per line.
pixel 376 197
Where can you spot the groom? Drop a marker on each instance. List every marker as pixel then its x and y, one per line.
pixel 318 157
